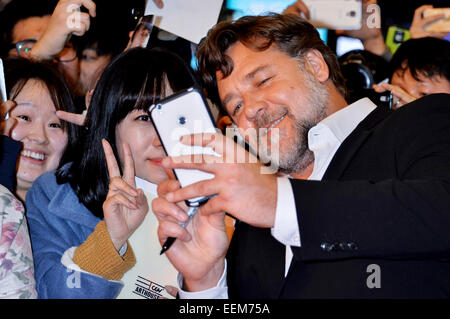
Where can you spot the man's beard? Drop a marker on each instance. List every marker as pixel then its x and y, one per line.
pixel 294 156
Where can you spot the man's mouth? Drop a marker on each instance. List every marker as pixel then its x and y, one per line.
pixel 34 155
pixel 273 125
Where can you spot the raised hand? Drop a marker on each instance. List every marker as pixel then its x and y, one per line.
pixel 159 3
pixel 66 20
pixel 243 187
pixel 77 119
pixel 401 97
pixel 200 249
pixel 419 24
pixel 7 125
pixel 298 8
pixel 125 206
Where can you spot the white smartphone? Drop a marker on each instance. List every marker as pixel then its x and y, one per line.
pixel 335 14
pixel 441 25
pixel 3 96
pixel 182 114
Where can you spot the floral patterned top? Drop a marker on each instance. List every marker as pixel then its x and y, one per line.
pixel 16 259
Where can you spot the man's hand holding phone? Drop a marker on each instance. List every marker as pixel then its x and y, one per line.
pixel 242 191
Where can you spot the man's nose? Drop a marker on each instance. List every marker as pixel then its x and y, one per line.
pixel 254 107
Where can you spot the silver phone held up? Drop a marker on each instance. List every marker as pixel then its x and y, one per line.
pixel 184 113
pixel 335 14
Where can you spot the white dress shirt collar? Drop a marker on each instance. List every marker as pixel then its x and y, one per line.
pixel 326 137
pixel 344 121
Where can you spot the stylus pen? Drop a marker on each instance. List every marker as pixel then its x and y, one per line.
pixel 169 241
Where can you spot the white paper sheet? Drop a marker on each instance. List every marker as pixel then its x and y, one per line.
pixel 189 19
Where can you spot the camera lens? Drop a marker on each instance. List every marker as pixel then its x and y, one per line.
pixel 182 120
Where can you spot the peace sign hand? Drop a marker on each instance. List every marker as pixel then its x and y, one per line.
pixel 125 206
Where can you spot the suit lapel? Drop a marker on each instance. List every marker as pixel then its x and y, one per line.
pixel 353 142
pixel 343 157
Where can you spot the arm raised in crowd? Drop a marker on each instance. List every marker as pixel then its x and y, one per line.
pixel 67 19
pixel 369 34
pixel 419 24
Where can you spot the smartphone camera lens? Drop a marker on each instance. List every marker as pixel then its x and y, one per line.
pixel 352 13
pixel 182 120
pixel 158 106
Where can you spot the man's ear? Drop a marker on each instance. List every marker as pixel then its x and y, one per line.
pixel 317 65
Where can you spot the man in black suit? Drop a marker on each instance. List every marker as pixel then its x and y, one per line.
pixel 365 211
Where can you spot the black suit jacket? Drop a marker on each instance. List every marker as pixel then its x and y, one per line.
pixel 384 200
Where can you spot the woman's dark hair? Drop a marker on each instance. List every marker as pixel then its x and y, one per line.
pixel 291 35
pixel 19 71
pixel 134 80
pixel 424 57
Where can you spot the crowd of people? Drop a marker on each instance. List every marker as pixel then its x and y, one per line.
pixel 88 195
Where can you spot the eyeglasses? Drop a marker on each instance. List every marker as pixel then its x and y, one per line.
pixel 23 47
pixel 68 53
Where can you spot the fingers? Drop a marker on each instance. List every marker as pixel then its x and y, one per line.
pixel 168 229
pixel 159 3
pixel 77 119
pixel 379 88
pixel 6 107
pixel 301 6
pixel 113 168
pixel 440 35
pixel 83 24
pixel 224 122
pixel 128 165
pixel 219 144
pixel 201 162
pixel 164 210
pixel 171 290
pixel 418 13
pixel 400 93
pixel 90 5
pixel 212 206
pixel 297 8
pixel 119 199
pixel 401 96
pixel 169 185
pixel 7 124
pixel 203 188
pixel 141 199
pixel 118 184
pixel 87 98
pixel 170 174
pixel 425 21
pixel 214 140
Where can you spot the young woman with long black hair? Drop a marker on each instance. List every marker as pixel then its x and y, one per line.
pixel 82 216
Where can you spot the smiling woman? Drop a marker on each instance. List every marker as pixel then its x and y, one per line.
pixel 38 91
pixel 92 213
